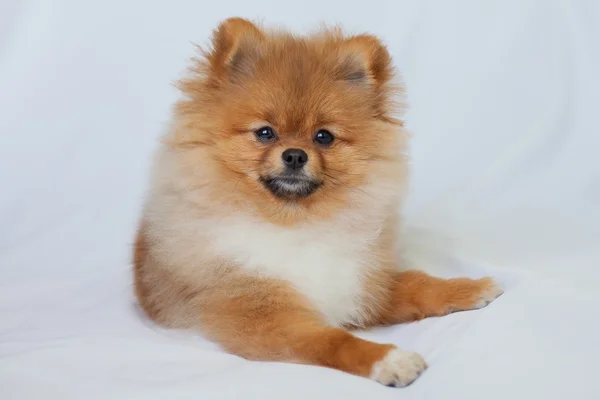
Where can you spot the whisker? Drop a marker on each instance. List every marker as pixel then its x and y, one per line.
pixel 352 187
pixel 237 181
pixel 342 172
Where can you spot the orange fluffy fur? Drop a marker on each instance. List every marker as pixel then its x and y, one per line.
pixel 283 277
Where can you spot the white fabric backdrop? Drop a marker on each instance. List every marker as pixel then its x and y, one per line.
pixel 504 99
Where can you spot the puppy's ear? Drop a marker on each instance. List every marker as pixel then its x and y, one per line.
pixel 364 60
pixel 236 47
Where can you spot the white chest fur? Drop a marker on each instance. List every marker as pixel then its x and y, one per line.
pixel 326 262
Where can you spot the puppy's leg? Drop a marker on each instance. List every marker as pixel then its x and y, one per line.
pixel 266 320
pixel 416 295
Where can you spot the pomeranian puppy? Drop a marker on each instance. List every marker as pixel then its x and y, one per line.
pixel 272 213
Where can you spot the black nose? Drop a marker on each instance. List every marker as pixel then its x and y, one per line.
pixel 294 158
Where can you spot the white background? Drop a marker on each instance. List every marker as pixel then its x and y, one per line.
pixel 504 102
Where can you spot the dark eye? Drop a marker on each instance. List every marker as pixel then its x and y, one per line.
pixel 324 137
pixel 265 134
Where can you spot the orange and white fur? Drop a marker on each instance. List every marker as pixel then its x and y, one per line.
pixel 272 212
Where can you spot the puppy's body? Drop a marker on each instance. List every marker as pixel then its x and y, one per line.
pixel 271 217
pixel 333 264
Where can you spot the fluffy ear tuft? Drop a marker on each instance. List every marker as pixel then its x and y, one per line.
pixel 236 47
pixel 363 60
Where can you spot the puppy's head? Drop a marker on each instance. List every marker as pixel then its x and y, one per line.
pixel 294 124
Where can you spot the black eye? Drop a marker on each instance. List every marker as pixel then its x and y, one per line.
pixel 265 134
pixel 324 137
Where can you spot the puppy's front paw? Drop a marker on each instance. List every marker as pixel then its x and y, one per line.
pixel 464 294
pixel 488 291
pixel 398 368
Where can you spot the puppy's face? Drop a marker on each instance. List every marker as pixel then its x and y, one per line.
pixel 292 123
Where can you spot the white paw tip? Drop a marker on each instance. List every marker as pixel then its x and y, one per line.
pixel 398 368
pixel 490 293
